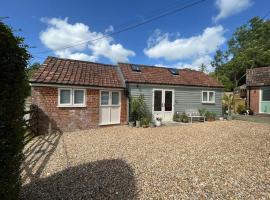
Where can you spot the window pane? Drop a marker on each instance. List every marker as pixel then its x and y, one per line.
pixel 157 100
pixel 64 96
pixel 204 96
pixel 211 96
pixel 266 94
pixel 78 97
pixel 168 100
pixel 104 98
pixel 115 98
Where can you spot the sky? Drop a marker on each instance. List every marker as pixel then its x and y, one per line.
pixel 186 38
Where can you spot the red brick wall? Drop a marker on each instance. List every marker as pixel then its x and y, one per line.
pixel 69 118
pixel 254 99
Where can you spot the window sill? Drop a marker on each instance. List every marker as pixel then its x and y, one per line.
pixel 209 103
pixel 71 106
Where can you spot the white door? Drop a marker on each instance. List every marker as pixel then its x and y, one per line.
pixel 110 107
pixel 163 104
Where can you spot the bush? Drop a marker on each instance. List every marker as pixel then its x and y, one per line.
pixel 138 109
pixel 241 109
pixel 202 111
pixel 145 121
pixel 176 117
pixel 13 80
pixel 183 117
pixel 211 115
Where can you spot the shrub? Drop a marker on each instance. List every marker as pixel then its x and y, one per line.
pixel 202 111
pixel 138 109
pixel 145 121
pixel 176 117
pixel 183 117
pixel 211 115
pixel 13 80
pixel 241 109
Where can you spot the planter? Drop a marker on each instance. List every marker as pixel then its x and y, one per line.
pixel 138 124
pixel 211 119
pixel 145 126
pixel 131 124
pixel 158 123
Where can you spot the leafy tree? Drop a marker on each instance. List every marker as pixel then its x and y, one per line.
pixel 13 80
pixel 249 47
pixel 32 69
pixel 203 68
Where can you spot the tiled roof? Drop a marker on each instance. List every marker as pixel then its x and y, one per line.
pixel 161 75
pixel 258 76
pixel 75 72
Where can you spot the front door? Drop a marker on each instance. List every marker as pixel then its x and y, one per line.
pixel 110 107
pixel 163 105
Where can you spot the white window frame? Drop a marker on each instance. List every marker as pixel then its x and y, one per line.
pixel 208 95
pixel 73 97
pixel 71 104
pixel 110 98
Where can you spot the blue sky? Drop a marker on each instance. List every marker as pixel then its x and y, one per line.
pixel 185 39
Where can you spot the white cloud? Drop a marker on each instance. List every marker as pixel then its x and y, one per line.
pixel 160 45
pixel 60 34
pixel 109 29
pixel 230 7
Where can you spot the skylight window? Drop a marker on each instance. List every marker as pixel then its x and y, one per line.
pixel 173 71
pixel 135 68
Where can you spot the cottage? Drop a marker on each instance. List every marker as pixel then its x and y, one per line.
pixel 72 94
pixel 258 90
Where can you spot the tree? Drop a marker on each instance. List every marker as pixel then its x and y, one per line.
pixel 13 80
pixel 203 68
pixel 249 47
pixel 32 69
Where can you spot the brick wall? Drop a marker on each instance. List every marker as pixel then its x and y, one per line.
pixel 69 118
pixel 254 99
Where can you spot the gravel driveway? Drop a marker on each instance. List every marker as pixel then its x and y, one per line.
pixel 212 160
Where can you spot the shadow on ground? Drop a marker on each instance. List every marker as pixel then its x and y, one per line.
pixel 105 179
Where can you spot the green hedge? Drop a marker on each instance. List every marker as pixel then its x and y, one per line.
pixel 13 61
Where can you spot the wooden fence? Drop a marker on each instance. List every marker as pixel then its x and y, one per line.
pixel 31 120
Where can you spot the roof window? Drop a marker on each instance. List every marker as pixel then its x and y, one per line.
pixel 173 71
pixel 135 68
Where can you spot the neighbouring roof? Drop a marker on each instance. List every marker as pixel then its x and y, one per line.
pixel 161 75
pixel 75 72
pixel 258 76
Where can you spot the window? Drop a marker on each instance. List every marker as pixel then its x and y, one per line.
pixel 68 97
pixel 157 100
pixel 65 96
pixel 110 98
pixel 208 97
pixel 265 94
pixel 115 98
pixel 78 97
pixel 173 71
pixel 135 68
pixel 104 98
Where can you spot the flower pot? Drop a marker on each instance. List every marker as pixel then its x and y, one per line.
pixel 138 124
pixel 145 126
pixel 158 123
pixel 210 119
pixel 131 124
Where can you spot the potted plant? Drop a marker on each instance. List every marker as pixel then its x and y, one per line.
pixel 131 123
pixel 158 121
pixel 145 122
pixel 228 101
pixel 176 117
pixel 210 116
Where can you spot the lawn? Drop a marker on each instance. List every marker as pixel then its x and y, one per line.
pixel 218 160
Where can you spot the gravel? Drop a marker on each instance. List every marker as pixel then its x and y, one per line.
pixel 212 160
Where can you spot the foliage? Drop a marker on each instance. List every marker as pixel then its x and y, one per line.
pixel 249 47
pixel 183 117
pixel 210 114
pixel 32 69
pixel 241 109
pixel 202 111
pixel 13 81
pixel 228 101
pixel 145 121
pixel 138 109
pixel 203 68
pixel 176 117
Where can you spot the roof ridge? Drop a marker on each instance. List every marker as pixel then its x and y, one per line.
pixel 82 61
pixel 158 66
